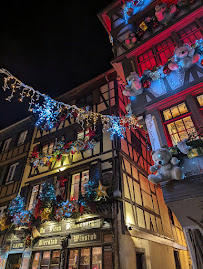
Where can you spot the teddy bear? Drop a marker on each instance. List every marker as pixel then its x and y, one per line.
pixel 184 57
pixel 163 13
pixel 134 86
pixel 130 39
pixel 183 147
pixel 165 166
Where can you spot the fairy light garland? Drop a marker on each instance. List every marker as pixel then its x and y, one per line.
pixel 49 110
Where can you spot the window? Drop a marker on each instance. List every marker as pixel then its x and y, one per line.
pixel 11 172
pixel 82 134
pixel 86 258
pixel 146 61
pixel 200 100
pixel 34 194
pixel 6 144
pixel 46 259
pixel 178 126
pixel 2 209
pixel 170 213
pixel 78 184
pixel 22 137
pixel 177 259
pixel 190 33
pixel 165 50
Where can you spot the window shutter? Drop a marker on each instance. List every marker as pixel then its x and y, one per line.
pixel 3 171
pixel 96 173
pixel 24 193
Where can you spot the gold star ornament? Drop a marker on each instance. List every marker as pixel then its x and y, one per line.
pixel 45 214
pixel 101 190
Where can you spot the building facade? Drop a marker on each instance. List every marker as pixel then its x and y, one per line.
pixel 129 227
pixel 151 39
pixel 15 142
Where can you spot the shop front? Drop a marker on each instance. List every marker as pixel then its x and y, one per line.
pixel 84 244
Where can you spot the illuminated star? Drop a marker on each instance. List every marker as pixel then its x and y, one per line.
pixel 101 190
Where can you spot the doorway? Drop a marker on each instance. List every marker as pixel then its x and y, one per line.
pixel 14 261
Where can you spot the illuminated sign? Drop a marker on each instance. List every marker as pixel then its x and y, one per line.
pixel 81 238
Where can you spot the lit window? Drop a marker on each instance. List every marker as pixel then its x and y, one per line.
pixel 179 129
pixel 82 134
pixel 146 61
pixel 34 195
pixel 78 184
pixel 190 33
pixel 200 99
pixel 22 137
pixel 6 144
pixel 165 50
pixel 11 172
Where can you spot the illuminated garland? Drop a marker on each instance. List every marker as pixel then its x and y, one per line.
pixel 38 159
pixel 50 111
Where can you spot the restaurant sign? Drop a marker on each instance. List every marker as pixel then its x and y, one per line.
pixel 65 227
pixel 81 238
pixel 48 243
pixel 16 245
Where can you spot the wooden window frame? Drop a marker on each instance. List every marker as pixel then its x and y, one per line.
pixel 11 173
pixel 41 253
pixel 80 182
pixel 22 137
pixel 6 144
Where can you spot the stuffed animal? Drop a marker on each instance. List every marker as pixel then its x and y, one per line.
pixel 130 39
pixel 134 86
pixel 128 109
pixel 184 57
pixel 183 147
pixel 165 14
pixel 165 166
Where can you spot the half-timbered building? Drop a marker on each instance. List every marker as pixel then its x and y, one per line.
pixel 171 103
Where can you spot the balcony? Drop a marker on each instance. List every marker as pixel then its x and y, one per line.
pixel 185 197
pixel 14 152
pixel 120 29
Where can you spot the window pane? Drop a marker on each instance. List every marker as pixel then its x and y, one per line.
pixel 45 259
pixel 200 99
pixel 75 186
pixel 22 137
pixel 36 260
pixel 85 179
pixel 175 111
pixel 182 108
pixel 183 135
pixel 33 197
pixel 85 258
pixel 73 259
pixel 179 125
pixel 171 128
pixel 55 259
pixel 167 114
pixel 175 139
pixel 188 122
pixel 97 258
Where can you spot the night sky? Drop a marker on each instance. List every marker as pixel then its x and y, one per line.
pixel 51 46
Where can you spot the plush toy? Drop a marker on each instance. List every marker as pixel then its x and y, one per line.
pixel 165 166
pixel 165 14
pixel 130 39
pixel 134 86
pixel 183 147
pixel 184 57
pixel 128 109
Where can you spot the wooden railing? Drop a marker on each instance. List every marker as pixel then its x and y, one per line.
pixel 8 189
pixel 14 152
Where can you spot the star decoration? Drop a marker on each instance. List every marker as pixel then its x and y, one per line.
pixel 45 214
pixel 101 190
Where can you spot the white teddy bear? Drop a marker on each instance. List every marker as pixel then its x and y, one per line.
pixel 134 86
pixel 165 166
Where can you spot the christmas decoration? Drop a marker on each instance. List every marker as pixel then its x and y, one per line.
pixel 134 86
pixel 28 241
pixel 45 214
pixel 35 233
pixel 101 190
pixel 146 84
pixel 165 166
pixel 130 39
pixel 16 206
pixel 165 14
pixel 50 111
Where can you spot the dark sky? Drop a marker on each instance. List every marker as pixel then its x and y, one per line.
pixel 52 46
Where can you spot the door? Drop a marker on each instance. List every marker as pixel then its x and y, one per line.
pixel 14 261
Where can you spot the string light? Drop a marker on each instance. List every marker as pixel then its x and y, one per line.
pixel 49 110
